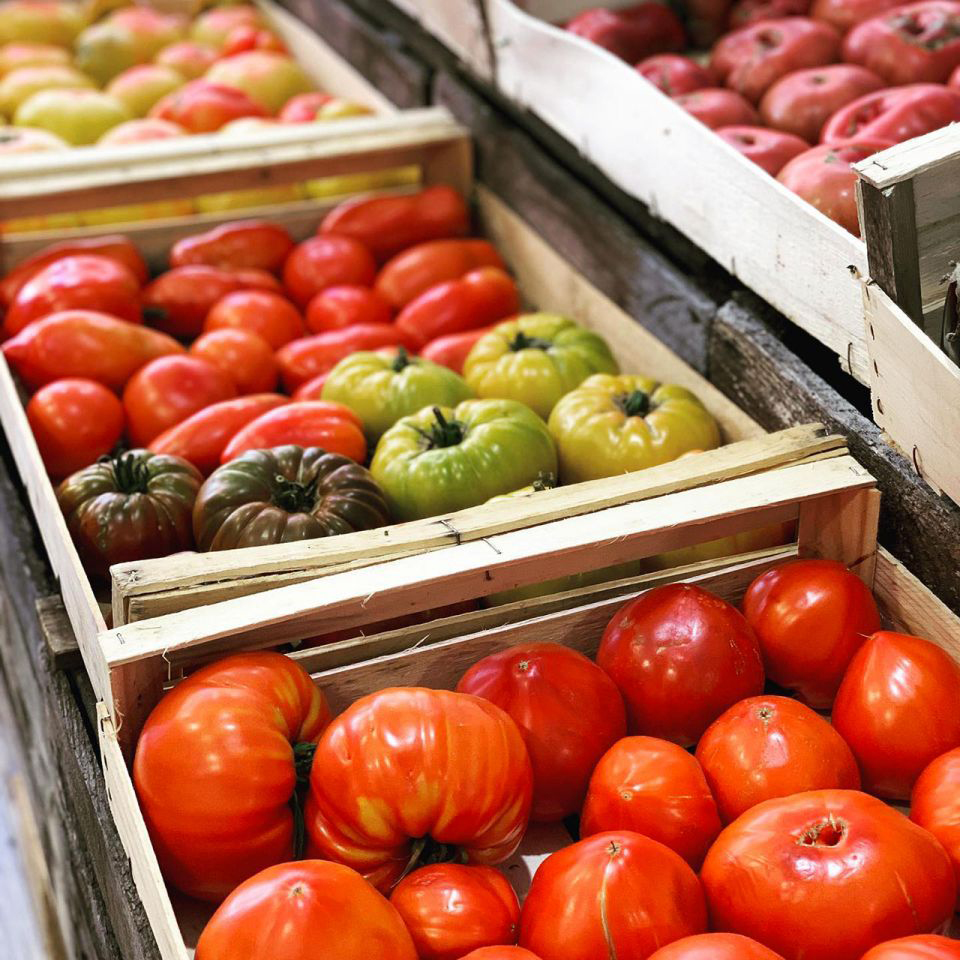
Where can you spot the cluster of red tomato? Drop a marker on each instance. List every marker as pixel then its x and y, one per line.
pixel 775 85
pixel 421 792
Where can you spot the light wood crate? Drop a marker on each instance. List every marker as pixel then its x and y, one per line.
pixel 460 26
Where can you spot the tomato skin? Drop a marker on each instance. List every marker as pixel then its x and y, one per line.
pixel 895 115
pixel 811 862
pixel 935 805
pixel 434 763
pixel 304 107
pixel 568 710
pixel 244 244
pixel 675 74
pixel 846 14
pixel 451 909
pixel 922 947
pixel 715 946
pixel 655 788
pixel 613 894
pixel 243 38
pixel 769 149
pixel 680 657
pixel 243 356
pixel 453 349
pixel 346 306
pixel 896 710
pixel 204 107
pixel 632 33
pixel 328 260
pixel 74 421
pixel 388 224
pixel 262 312
pixel 501 953
pixel 715 107
pixel 753 11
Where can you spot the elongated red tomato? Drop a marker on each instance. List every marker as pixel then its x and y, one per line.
pixel 338 307
pixel 285 911
pixel 453 349
pixel 616 894
pixel 568 711
pixel 217 765
pixel 244 244
pixel 935 804
pixel 438 767
pixel 924 947
pixel 715 946
pixel 655 788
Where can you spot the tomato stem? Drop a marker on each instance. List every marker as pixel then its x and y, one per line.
pixel 130 472
pixel 545 481
pixel 425 851
pixel 522 342
pixel 443 433
pixel 294 497
pixel 634 404
pixel 402 360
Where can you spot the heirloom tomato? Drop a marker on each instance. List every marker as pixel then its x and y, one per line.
pixel 263 312
pixel 770 150
pixel 715 946
pixel 304 107
pixel 831 873
pixel 328 260
pixel 568 710
pixel 846 14
pixel 345 306
pixel 675 74
pixel 447 773
pixel 204 107
pixel 752 11
pixel 631 33
pixel 615 894
pixel 655 788
pixel 191 60
pixel 501 953
pixel 422 460
pixel 894 115
pixel 451 909
pixel 923 947
pixel 717 108
pixel 244 244
pixel 453 349
pixel 935 805
pixel 245 357
pixel 897 708
pixel 243 38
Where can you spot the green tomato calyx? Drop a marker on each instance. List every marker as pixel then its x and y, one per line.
pixel 635 404
pixel 443 432
pixel 129 471
pixel 294 497
pixel 544 481
pixel 302 762
pixel 522 342
pixel 425 851
pixel 401 361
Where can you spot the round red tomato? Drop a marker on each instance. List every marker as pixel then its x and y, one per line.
pixel 767 747
pixel 74 422
pixel 715 946
pixel 811 617
pixel 935 804
pixel 752 11
pixel 830 873
pixel 635 32
pixel 344 306
pixel 770 150
pixel 655 788
pixel 716 108
pixel 284 912
pixel 262 312
pixel 217 765
pixel 441 769
pixel 501 953
pixel 680 657
pixel 924 947
pixel 451 909
pixel 897 708
pixel 327 260
pixel 615 894
pixel 245 357
pixel 845 14
pixel 568 711
pixel 675 74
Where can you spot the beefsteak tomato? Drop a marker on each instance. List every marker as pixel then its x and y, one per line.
pixel 675 74
pixel 631 33
pixel 770 150
pixel 935 805
pixel 894 115
pixel 715 108
pixel 923 947
pixel 715 946
pixel 846 14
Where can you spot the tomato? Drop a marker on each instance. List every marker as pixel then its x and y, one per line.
pixel 204 107
pixel 312 389
pixel 824 177
pixel 655 788
pixel 753 58
pixel 831 873
pixel 675 74
pixel 441 769
pixel 325 261
pixel 202 437
pixel 680 657
pixel 922 947
pixel 501 953
pixel 752 11
pixel 631 33
pixel 477 299
pixel 83 343
pixel 719 108
pixel 770 150
pixel 845 14
pixel 243 38
pixel 615 894
pixel 74 421
pixel 267 314
pixel 451 909
pixel 346 306
pixel 935 804
pixel 914 43
pixel 246 358
pixel 801 102
pixel 895 115
pixel 388 224
pixel 217 765
pixel 243 244
pixel 568 710
pixel 134 506
pixel 715 946
pixel 420 462
pixel 190 60
pixel 304 107
pixel 453 349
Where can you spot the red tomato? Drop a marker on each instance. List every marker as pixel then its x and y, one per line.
pixel 74 422
pixel 811 617
pixel 568 711
pixel 831 873
pixel 935 804
pixel 715 946
pixel 79 282
pixel 304 107
pixel 770 150
pixel 204 107
pixel 616 894
pixel 346 306
pixel 244 37
pixel 719 108
pixel 501 953
pixel 845 14
pixel 895 115
pixel 915 43
pixel 167 391
pixel 923 947
pixel 453 349
pixel 258 280
pixel 752 11
pixel 767 747
pixel 680 657
pixel 312 389
pixel 439 767
pixel 243 244
pixel 327 261
pixel 215 772
pixel 245 357
pixel 655 788
pixel 824 177
pixel 305 423
pixel 267 314
pixel 632 33
pixel 451 909
pixel 897 709
pixel 675 74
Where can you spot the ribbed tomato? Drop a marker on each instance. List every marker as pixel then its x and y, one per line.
pixel 924 947
pixel 935 804
pixel 715 946
pixel 501 953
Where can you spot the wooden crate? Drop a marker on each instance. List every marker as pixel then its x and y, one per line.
pixel 460 25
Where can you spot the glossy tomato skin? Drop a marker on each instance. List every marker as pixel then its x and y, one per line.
pixel 655 788
pixel 214 769
pixel 245 357
pixel 897 709
pixel 895 115
pixel 680 657
pixel 435 764
pixel 74 421
pixel 304 107
pixel 501 953
pixel 328 260
pixel 453 349
pixel 715 946
pixel 811 617
pixel 770 150
pixel 923 947
pixel 204 107
pixel 613 894
pixel 632 33
pixel 345 306
pixel 825 875
pixel 715 107
pixel 244 244
pixel 846 14
pixel 752 11
pixel 262 312
pixel 767 747
pixel 935 805
pixel 451 909
pixel 675 74
pixel 568 711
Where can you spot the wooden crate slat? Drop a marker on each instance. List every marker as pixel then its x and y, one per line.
pixel 460 25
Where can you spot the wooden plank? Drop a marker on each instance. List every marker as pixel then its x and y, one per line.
pixel 59 636
pixel 460 25
pixel 844 528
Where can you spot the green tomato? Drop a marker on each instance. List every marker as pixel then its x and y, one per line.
pixel 383 386
pixel 536 359
pixel 441 460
